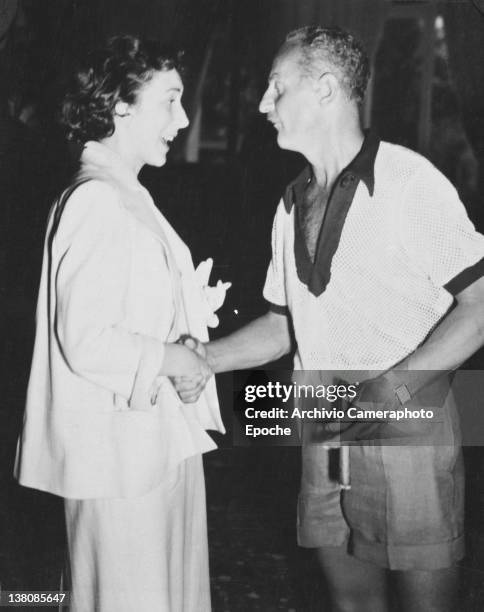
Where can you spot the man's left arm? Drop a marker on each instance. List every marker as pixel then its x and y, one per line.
pixel 441 240
pixel 456 338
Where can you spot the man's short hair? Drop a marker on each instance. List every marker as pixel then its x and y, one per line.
pixel 338 49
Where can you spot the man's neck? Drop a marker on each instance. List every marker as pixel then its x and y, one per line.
pixel 337 150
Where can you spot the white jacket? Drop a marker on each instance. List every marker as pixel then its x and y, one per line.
pixel 117 283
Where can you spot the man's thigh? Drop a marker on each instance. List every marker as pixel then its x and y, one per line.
pixel 427 591
pixel 358 586
pixel 353 585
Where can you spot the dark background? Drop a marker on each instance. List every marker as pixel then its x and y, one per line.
pixel 219 190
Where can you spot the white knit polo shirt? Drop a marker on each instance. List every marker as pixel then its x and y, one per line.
pixel 397 251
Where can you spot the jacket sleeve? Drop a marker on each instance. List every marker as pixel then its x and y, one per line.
pixel 92 253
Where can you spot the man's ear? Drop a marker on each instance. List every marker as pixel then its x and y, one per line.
pixel 121 109
pixel 327 86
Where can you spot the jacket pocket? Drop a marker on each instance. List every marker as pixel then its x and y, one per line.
pixel 120 403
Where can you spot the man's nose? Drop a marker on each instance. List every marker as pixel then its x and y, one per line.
pixel 267 102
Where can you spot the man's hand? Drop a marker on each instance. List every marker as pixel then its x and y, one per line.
pixel 189 388
pixel 376 394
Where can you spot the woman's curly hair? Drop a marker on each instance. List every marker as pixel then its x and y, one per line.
pixel 341 50
pixel 111 74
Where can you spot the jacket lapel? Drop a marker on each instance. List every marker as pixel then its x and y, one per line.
pixel 139 204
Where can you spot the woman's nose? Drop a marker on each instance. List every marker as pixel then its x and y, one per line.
pixel 182 118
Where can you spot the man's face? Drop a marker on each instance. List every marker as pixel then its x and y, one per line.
pixel 291 102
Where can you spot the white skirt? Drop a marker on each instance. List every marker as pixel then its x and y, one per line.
pixel 148 553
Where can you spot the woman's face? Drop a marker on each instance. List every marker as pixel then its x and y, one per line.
pixel 155 118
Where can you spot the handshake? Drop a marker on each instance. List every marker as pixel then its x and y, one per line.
pixel 197 371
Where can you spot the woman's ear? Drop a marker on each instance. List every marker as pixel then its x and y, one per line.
pixel 121 109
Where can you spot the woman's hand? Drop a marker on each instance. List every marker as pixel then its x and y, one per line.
pixel 187 369
pixel 190 388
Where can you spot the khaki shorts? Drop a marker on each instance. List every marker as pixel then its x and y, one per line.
pixel 405 508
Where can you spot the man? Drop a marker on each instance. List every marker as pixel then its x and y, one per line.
pixel 376 267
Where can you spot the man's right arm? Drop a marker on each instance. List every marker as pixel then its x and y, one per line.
pixel 263 340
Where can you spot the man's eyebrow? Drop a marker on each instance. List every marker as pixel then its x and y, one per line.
pixel 175 89
pixel 272 76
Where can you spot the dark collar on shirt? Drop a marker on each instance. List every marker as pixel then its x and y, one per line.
pixel 316 274
pixel 362 167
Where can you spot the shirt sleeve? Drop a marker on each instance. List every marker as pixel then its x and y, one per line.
pixel 282 310
pixel 93 247
pixel 274 288
pixel 437 233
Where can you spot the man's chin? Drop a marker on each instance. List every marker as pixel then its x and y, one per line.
pixel 285 143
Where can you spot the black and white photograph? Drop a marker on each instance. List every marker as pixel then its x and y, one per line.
pixel 242 305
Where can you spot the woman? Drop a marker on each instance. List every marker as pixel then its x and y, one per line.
pixel 104 427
